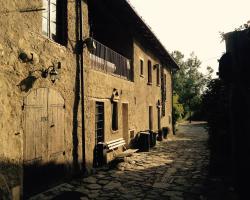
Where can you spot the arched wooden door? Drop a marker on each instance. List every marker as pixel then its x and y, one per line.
pixel 44 126
pixel 44 137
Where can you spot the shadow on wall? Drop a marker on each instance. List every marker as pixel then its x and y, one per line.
pixel 38 177
pixel 10 174
pixel 27 83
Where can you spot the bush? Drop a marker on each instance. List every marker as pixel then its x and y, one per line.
pixel 215 103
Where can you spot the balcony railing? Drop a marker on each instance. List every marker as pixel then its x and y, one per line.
pixel 106 60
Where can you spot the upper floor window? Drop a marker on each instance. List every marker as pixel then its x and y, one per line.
pixel 149 72
pixel 165 85
pixel 157 74
pixel 141 67
pixel 54 20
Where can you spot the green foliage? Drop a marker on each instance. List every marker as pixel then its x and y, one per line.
pixel 215 105
pixel 178 110
pixel 189 82
pixel 215 109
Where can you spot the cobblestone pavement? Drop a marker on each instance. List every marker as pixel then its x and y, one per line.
pixel 175 169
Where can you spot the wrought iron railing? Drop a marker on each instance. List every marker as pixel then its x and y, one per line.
pixel 105 59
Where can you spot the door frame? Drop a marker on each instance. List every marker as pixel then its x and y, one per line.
pixel 125 117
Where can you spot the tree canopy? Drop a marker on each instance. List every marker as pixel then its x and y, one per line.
pixel 189 82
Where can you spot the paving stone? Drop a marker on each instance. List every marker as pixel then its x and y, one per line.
pixel 84 198
pixel 103 182
pixel 82 189
pixel 172 193
pixel 93 186
pixel 89 180
pixel 112 185
pixel 93 195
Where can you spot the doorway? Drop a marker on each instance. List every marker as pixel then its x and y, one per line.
pixel 125 122
pixel 150 117
pixel 44 139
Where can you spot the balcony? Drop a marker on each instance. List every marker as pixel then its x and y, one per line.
pixel 106 60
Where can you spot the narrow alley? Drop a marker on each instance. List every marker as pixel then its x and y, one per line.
pixel 175 169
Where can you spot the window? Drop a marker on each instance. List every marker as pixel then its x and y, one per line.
pixel 99 122
pixel 141 67
pixel 54 20
pixel 157 74
pixel 149 72
pixel 114 116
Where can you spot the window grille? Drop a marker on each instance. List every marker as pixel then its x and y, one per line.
pixel 99 122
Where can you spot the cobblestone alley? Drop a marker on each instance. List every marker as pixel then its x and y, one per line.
pixel 175 169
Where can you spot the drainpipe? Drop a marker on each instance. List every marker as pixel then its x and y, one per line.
pixel 80 16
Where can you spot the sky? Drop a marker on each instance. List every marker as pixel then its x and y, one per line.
pixel 194 25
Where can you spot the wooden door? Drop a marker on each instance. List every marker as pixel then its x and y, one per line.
pixel 44 140
pixel 44 125
pixel 35 125
pixel 56 127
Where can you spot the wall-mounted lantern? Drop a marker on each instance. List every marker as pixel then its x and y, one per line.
pixel 90 44
pixel 115 95
pixel 51 71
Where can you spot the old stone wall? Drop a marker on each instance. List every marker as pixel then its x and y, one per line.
pixel 100 88
pixel 138 94
pixel 21 32
pixel 149 94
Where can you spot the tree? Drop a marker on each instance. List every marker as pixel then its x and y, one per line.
pixel 189 82
pixel 178 110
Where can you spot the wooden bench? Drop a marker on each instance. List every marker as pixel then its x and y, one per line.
pixel 111 145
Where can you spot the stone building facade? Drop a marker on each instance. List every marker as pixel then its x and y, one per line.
pixel 48 63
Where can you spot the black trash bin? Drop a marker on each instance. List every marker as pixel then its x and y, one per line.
pixel 144 141
pixel 152 138
pixel 159 137
pixel 165 131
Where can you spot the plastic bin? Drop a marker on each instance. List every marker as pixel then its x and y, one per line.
pixel 165 131
pixel 152 138
pixel 159 137
pixel 144 141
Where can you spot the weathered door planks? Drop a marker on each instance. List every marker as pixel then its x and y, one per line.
pixel 56 126
pixel 44 126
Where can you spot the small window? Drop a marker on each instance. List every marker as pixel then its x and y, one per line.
pixel 114 116
pixel 149 72
pixel 141 67
pixel 158 74
pixel 54 20
pixel 165 85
